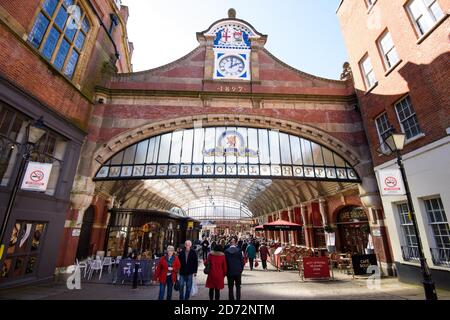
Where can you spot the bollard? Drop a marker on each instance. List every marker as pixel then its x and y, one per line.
pixel 135 275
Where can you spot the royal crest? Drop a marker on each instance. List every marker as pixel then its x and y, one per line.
pixel 230 143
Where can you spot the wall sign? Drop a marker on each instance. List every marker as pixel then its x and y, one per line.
pixel 36 176
pixel 391 182
pixel 316 268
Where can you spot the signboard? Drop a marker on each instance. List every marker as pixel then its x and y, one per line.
pixel 36 176
pixel 190 225
pixel 362 262
pixel 391 183
pixel 316 268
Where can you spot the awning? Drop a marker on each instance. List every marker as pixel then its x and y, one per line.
pixel 259 228
pixel 282 225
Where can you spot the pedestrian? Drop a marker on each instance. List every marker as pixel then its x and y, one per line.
pixel 235 266
pixel 251 254
pixel 264 254
pixel 166 273
pixel 205 247
pixel 217 272
pixel 189 266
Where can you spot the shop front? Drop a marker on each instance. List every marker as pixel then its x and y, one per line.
pixel 353 230
pixel 42 173
pixel 147 233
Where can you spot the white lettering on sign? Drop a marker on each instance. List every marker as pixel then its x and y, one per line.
pixel 36 176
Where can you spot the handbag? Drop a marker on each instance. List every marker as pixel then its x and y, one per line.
pixel 194 288
pixel 256 264
pixel 207 268
pixel 176 286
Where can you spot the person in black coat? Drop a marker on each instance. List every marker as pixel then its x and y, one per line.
pixel 189 266
pixel 205 248
pixel 235 266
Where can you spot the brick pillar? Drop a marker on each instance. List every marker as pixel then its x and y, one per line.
pixel 307 228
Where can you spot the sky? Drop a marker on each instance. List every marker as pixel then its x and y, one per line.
pixel 303 33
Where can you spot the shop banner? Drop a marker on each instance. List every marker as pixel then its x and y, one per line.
pixel 391 182
pixel 316 268
pixel 362 262
pixel 36 176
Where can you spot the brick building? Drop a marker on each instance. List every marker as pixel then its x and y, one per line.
pixel 399 54
pixel 52 54
pixel 231 87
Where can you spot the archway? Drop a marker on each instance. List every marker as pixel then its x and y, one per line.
pixel 353 229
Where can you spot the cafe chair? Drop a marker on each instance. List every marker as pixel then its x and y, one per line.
pixel 107 262
pixel 81 266
pixel 96 265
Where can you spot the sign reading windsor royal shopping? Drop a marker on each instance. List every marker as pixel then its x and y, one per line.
pixel 391 183
pixel 227 152
pixel 36 176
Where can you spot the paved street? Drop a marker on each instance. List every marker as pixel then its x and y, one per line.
pixel 257 285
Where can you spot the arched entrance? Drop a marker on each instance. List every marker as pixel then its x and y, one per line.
pixel 84 243
pixel 353 229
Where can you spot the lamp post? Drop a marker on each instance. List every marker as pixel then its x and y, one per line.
pixel 395 143
pixel 34 132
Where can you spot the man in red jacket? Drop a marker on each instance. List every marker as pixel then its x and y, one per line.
pixel 166 273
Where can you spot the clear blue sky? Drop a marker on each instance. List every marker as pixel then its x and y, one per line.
pixel 303 33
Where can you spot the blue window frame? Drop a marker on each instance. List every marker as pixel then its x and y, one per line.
pixel 60 33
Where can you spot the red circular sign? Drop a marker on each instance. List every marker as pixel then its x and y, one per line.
pixel 37 175
pixel 390 182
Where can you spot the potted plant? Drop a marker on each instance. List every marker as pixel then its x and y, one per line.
pixel 330 238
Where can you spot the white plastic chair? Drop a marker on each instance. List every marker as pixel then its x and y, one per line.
pixel 82 265
pixel 96 265
pixel 107 262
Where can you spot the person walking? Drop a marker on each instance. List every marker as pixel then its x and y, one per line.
pixel 205 247
pixel 166 273
pixel 235 266
pixel 264 254
pixel 217 272
pixel 251 254
pixel 189 266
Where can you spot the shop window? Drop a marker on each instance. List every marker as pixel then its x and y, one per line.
pixel 438 222
pixel 425 14
pixel 51 148
pixel 407 118
pixel 23 251
pixel 319 237
pixel 59 33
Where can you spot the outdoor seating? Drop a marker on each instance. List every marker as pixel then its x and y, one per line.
pixel 107 262
pixel 82 265
pixel 96 265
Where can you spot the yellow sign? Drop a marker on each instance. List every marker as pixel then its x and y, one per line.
pixel 2 248
pixel 190 225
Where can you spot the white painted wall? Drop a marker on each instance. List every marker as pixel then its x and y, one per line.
pixel 428 174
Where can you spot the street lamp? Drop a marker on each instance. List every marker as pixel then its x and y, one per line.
pixel 34 132
pixel 395 143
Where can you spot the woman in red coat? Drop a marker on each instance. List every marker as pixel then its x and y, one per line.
pixel 217 273
pixel 166 273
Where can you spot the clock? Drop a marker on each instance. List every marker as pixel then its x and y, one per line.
pixel 231 66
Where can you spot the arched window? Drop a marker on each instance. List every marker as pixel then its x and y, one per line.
pixel 59 33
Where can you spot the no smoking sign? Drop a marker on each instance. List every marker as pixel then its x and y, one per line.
pixel 391 182
pixel 36 176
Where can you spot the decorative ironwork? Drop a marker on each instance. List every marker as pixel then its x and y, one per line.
pixel 227 152
pixel 441 256
pixel 410 253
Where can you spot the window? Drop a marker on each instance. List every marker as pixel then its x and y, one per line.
pixel 407 117
pixel 425 14
pixel 410 249
pixel 49 149
pixel 60 33
pixel 383 128
pixel 437 220
pixel 368 73
pixel 388 50
pixel 23 250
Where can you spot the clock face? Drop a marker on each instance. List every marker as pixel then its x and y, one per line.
pixel 231 66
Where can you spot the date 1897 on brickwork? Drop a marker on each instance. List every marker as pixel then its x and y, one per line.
pixel 231 89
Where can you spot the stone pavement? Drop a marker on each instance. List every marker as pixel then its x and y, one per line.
pixel 257 285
